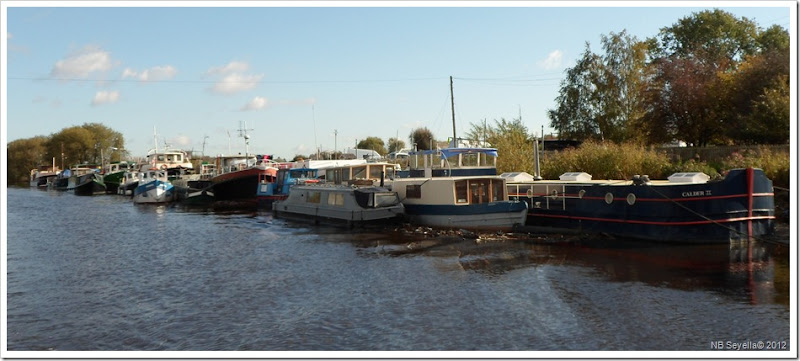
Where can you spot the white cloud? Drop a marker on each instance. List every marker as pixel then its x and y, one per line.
pixel 156 73
pixel 232 67
pixel 105 97
pixel 553 60
pixel 301 149
pixel 82 63
pixel 235 82
pixel 181 141
pixel 232 78
pixel 256 103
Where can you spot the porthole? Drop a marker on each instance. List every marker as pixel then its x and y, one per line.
pixel 581 193
pixel 631 199
pixel 609 198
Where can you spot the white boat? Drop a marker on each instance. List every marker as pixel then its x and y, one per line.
pixel 129 182
pixel 473 200
pixel 172 160
pixel 44 175
pixel 154 187
pixel 342 204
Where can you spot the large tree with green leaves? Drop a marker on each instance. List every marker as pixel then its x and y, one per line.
pixel 601 96
pixel 422 138
pixel 24 155
pixel 373 143
pixel 395 145
pixel 87 143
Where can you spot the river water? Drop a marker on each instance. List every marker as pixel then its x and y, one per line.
pixel 100 273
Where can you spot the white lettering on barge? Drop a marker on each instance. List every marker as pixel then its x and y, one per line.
pixel 696 194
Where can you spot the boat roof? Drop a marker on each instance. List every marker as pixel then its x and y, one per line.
pixel 449 152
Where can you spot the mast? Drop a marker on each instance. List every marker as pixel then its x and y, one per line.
pixel 453 111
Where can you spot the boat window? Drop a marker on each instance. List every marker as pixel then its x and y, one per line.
pixel 313 197
pixel 375 171
pixel 497 191
pixel 359 172
pixel 461 191
pixel 160 157
pixel 470 159
pixel 336 199
pixel 413 191
pixel 386 199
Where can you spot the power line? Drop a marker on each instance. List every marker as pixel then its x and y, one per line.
pixel 230 82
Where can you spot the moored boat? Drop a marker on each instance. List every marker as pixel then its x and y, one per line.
pixel 238 178
pixel 688 207
pixel 153 187
pixel 113 173
pixel 347 205
pixel 86 180
pixel 475 200
pixel 44 175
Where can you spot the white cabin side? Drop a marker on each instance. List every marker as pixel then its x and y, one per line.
pixel 461 191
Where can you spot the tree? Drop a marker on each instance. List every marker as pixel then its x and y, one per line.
pixel 373 143
pixel 396 145
pixel 576 111
pixel 512 140
pixel 695 94
pixel 714 38
pixel 24 155
pixel 479 134
pixel 76 144
pixel 422 138
pixel 601 96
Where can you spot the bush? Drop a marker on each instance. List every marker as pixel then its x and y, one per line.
pixel 622 161
pixel 607 161
pixel 776 165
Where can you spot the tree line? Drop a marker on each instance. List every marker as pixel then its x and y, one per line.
pixel 709 79
pixel 91 143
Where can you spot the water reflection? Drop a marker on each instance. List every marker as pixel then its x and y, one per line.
pixel 752 273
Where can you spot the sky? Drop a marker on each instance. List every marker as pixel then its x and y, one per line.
pixel 306 75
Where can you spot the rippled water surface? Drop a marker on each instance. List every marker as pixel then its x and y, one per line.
pixel 100 273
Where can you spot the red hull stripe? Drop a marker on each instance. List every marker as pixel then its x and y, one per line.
pixel 651 199
pixel 656 223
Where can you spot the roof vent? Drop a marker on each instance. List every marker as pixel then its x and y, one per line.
pixel 576 176
pixel 689 177
pixel 517 177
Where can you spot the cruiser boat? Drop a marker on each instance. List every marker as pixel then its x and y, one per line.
pixel 44 176
pixel 86 180
pixel 153 187
pixel 454 188
pixel 348 205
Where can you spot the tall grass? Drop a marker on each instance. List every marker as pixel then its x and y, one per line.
pixel 623 161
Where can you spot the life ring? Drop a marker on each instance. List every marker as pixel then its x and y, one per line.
pixel 163 167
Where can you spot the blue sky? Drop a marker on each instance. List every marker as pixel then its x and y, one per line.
pixel 297 74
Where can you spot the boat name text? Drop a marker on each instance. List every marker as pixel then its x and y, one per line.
pixel 696 193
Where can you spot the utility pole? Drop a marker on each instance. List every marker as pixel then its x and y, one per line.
pixel 453 110
pixel 335 146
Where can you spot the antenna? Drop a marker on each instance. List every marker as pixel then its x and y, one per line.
pixel 314 121
pixel 204 145
pixel 243 133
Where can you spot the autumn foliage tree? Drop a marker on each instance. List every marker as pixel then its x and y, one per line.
pixel 710 78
